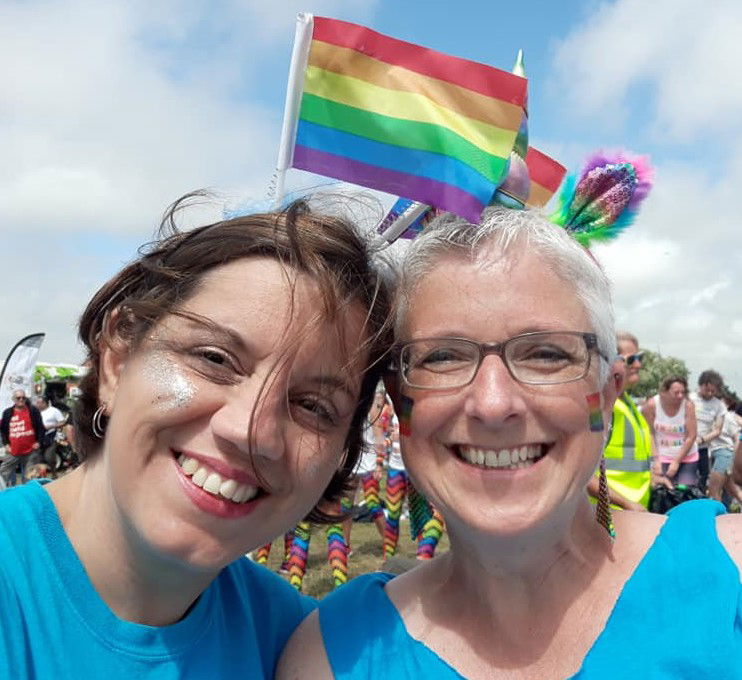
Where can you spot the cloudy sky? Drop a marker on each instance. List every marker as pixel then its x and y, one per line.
pixel 111 110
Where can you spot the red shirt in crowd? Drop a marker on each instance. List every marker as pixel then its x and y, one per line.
pixel 21 434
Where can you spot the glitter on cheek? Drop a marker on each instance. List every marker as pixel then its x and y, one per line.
pixel 171 388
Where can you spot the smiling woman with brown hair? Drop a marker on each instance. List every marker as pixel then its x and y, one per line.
pixel 231 370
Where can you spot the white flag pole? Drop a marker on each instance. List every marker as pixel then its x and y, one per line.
pixel 294 89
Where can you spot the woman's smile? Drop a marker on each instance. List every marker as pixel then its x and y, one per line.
pixel 513 458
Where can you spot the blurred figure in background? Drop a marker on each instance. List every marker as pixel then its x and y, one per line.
pixel 54 420
pixel 628 453
pixel 22 433
pixel 721 453
pixel 672 418
pixel 709 414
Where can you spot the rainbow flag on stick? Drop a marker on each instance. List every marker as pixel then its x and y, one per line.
pixel 393 116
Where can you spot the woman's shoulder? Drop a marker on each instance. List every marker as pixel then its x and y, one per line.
pixel 338 626
pixel 304 655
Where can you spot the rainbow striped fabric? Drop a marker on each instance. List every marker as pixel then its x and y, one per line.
pixel 403 119
pixel 546 176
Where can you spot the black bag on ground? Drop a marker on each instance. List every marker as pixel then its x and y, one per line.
pixel 662 499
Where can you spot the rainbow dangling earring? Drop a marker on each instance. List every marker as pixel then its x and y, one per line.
pixel 603 507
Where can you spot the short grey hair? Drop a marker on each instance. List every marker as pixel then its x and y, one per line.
pixel 513 233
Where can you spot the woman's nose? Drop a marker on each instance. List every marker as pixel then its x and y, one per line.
pixel 494 396
pixel 252 420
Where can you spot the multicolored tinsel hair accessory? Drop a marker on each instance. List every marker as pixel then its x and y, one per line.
pixel 605 199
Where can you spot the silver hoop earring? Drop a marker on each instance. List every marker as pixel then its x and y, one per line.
pixel 97 424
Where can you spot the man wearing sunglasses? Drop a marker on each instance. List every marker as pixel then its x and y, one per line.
pixel 709 417
pixel 630 468
pixel 22 432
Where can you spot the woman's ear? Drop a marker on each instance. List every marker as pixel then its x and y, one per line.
pixel 114 354
pixel 614 386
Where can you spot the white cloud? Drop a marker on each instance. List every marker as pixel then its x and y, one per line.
pixel 685 52
pixel 111 110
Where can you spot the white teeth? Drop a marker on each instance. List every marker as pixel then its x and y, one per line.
pixel 249 493
pixel 212 482
pixel 228 488
pixel 508 459
pixel 244 493
pixel 199 477
pixel 189 465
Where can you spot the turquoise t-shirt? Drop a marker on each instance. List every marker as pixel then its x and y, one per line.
pixel 53 624
pixel 678 616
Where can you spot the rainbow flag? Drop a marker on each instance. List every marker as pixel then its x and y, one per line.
pixel 546 176
pixel 397 117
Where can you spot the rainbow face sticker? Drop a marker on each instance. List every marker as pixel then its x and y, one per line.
pixel 405 416
pixel 595 415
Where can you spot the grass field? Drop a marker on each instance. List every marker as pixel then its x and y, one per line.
pixel 366 557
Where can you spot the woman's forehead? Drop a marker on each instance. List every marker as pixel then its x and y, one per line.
pixel 520 291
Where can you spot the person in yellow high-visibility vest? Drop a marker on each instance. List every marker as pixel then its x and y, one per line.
pixel 628 452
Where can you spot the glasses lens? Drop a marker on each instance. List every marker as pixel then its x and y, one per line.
pixel 548 358
pixel 439 364
pixel 633 358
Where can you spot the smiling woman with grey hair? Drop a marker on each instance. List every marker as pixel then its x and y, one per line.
pixel 504 384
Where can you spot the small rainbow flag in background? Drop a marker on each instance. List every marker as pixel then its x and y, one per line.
pixel 546 176
pixel 393 116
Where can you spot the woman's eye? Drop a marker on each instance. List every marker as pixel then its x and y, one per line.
pixel 214 364
pixel 545 355
pixel 439 356
pixel 214 357
pixel 318 409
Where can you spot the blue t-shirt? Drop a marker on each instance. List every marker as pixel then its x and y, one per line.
pixel 53 624
pixel 678 616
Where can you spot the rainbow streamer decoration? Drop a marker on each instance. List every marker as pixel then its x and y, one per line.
pixel 390 115
pixel 299 554
pixel 337 554
pixel 595 415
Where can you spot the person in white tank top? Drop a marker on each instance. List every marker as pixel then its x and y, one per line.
pixel 672 417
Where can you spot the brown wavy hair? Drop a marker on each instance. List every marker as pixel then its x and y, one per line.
pixel 169 270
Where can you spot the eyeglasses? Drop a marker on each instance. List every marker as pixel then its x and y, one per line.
pixel 542 358
pixel 19 398
pixel 632 358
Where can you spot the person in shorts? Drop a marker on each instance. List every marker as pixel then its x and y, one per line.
pixel 721 454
